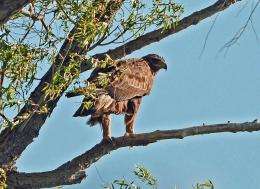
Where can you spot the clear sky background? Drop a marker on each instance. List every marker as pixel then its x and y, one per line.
pixel 215 88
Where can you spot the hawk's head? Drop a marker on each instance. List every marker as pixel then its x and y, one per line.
pixel 155 62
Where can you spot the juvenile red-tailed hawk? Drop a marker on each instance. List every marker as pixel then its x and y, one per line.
pixel 124 93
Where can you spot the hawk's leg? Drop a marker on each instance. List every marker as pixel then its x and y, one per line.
pixel 131 114
pixel 105 122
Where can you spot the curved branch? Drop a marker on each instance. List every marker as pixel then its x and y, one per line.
pixel 241 31
pixel 160 34
pixel 72 171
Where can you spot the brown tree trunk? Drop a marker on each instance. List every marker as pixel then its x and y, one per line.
pixel 10 7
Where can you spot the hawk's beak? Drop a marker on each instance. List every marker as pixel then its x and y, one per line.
pixel 164 66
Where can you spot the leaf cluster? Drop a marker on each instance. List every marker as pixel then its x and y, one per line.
pixel 142 174
pixel 3 178
pixel 145 176
pixel 18 72
pixel 139 16
pixel 205 185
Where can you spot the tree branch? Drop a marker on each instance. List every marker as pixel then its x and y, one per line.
pixel 32 15
pixel 241 31
pixel 10 7
pixel 35 17
pixel 73 171
pixel 157 35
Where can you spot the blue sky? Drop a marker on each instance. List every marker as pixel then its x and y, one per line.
pixel 215 88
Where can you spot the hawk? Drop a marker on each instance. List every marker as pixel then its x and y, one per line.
pixel 124 93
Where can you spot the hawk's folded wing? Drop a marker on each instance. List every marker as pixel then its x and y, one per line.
pixel 135 80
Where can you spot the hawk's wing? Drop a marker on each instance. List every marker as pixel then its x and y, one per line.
pixel 135 80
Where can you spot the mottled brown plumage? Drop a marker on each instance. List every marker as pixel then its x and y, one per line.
pixel 124 93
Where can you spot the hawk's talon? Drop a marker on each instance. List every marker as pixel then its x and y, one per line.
pixel 128 135
pixel 131 135
pixel 108 139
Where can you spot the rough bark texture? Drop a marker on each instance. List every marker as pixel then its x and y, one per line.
pixel 43 180
pixel 9 7
pixel 72 171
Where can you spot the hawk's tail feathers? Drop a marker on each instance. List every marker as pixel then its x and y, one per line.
pixel 93 120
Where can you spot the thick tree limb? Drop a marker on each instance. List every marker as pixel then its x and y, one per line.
pixel 14 141
pixel 43 180
pixel 73 171
pixel 10 7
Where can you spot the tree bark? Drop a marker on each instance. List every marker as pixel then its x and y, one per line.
pixel 10 7
pixel 73 171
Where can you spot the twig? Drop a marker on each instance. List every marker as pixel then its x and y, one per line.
pixel 6 119
pixel 207 36
pixel 31 15
pixel 61 8
pixel 254 31
pixel 240 32
pixel 39 17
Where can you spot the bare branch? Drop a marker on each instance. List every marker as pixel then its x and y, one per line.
pixel 72 171
pixel 31 15
pixel 43 180
pixel 113 40
pixel 240 32
pixel 39 17
pixel 207 36
pixel 254 31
